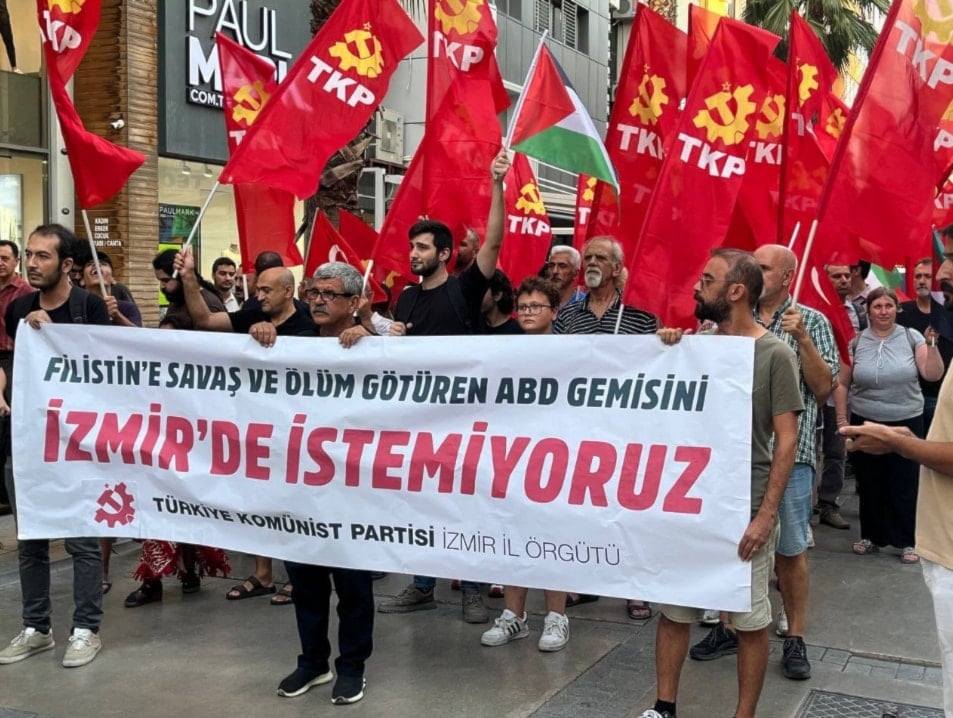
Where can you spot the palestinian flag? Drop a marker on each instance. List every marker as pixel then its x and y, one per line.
pixel 551 124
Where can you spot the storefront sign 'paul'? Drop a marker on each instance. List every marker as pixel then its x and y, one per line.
pixel 251 25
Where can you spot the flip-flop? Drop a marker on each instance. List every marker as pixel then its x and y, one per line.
pixel 284 596
pixel 239 592
pixel 638 610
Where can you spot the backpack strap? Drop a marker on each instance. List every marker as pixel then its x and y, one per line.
pixel 77 305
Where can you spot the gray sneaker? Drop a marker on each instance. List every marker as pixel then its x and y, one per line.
pixel 410 599
pixel 82 648
pixel 27 643
pixel 474 609
pixel 830 515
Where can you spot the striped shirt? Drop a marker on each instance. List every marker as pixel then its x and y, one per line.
pixel 819 329
pixel 577 318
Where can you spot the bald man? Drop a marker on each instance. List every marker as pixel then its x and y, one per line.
pixel 277 314
pixel 809 334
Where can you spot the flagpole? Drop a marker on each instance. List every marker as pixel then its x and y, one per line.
pixel 797 228
pixel 92 249
pixel 367 274
pixel 195 227
pixel 803 268
pixel 521 99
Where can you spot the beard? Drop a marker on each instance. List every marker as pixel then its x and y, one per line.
pixel 946 286
pixel 175 296
pixel 52 280
pixel 717 310
pixel 426 268
pixel 593 278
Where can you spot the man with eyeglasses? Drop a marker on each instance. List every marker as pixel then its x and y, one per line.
pixel 335 295
pixel 563 271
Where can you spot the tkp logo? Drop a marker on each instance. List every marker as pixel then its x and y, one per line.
pixel 461 17
pixel 651 100
pixel 727 113
pixel 936 19
pixel 115 506
pixel 529 201
pixel 771 120
pixel 835 123
pixel 67 7
pixel 808 82
pixel 360 50
pixel 249 101
pixel 589 193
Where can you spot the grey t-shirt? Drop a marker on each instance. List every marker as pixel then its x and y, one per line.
pixel 775 390
pixel 885 383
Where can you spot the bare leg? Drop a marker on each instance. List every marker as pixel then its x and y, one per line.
pixel 752 664
pixel 514 598
pixel 793 583
pixel 556 602
pixel 106 547
pixel 671 647
pixel 263 570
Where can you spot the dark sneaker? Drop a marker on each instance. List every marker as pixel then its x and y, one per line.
pixel 794 663
pixel 652 713
pixel 410 599
pixel 347 690
pixel 191 583
pixel 148 592
pixel 830 515
pixel 474 607
pixel 719 642
pixel 302 681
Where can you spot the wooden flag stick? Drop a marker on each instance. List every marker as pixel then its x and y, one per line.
pixel 92 250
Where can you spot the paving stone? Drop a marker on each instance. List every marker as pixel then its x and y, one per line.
pixel 833 655
pixel 910 672
pixel 861 669
pixel 933 675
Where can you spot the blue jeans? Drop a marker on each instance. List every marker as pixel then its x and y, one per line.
pixel 427 583
pixel 35 578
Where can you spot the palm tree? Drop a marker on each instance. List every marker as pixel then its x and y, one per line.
pixel 844 26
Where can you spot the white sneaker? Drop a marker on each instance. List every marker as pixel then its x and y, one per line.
pixel 710 618
pixel 782 629
pixel 508 627
pixel 555 633
pixel 82 648
pixel 810 536
pixel 27 643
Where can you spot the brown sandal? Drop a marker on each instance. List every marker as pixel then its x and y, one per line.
pixel 283 597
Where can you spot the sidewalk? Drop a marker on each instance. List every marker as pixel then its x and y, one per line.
pixel 871 636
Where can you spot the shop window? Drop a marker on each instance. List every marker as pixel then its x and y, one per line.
pixel 23 192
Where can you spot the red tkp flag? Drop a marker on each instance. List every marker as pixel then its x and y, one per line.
pixel 358 233
pixel 341 77
pixel 691 206
pixel 327 245
pixel 758 198
pixel 643 122
pixel 818 293
pixel 265 215
pixel 943 206
pixel 881 183
pixel 66 29
pixel 585 195
pixel 99 168
pixel 461 44
pixel 449 178
pixel 528 233
pixel 702 24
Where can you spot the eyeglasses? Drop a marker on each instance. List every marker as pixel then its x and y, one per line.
pixel 532 308
pixel 326 295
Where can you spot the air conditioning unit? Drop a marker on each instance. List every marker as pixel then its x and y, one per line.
pixel 626 10
pixel 389 129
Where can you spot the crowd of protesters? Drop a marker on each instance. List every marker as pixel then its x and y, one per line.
pixel 807 392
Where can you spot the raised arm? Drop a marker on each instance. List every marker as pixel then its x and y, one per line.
pixel 495 223
pixel 194 302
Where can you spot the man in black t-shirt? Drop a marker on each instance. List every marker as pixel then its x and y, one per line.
pixel 49 255
pixel 440 304
pixel 276 314
pixel 445 305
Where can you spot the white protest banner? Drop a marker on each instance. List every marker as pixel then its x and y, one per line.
pixel 611 465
